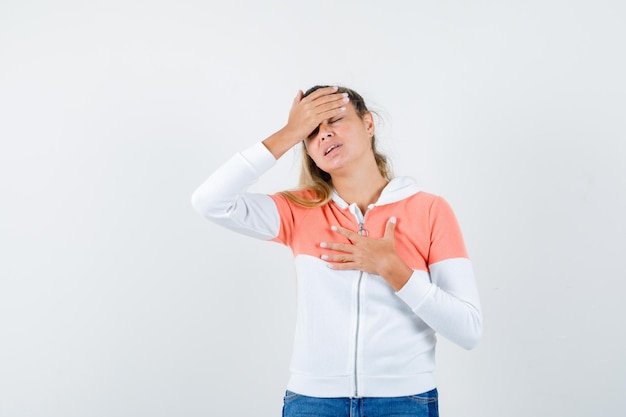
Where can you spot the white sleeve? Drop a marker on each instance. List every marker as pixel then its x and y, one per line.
pixel 447 300
pixel 223 199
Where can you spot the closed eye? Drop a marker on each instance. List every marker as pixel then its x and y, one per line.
pixel 335 120
pixel 313 133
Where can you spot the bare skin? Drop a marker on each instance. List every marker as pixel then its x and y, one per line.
pixel 339 142
pixel 374 256
pixel 306 114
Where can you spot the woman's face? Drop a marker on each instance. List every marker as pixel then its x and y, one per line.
pixel 341 143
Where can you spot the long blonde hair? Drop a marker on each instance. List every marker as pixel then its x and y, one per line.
pixel 312 178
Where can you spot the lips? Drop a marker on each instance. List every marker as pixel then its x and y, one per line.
pixel 331 148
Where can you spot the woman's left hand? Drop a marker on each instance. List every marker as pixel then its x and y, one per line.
pixel 374 256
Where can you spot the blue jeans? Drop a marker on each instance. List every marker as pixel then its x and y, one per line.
pixel 420 405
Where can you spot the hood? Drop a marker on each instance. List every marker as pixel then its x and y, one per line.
pixel 398 189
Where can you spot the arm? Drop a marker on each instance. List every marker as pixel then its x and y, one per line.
pixel 222 198
pixel 446 298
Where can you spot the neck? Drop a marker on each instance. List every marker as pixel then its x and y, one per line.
pixel 362 187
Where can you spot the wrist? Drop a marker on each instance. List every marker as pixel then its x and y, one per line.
pixel 280 142
pixel 397 274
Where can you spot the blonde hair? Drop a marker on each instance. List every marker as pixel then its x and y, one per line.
pixel 319 182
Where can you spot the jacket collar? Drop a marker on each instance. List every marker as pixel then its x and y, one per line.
pixel 397 189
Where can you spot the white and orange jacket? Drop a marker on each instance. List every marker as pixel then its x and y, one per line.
pixel 355 336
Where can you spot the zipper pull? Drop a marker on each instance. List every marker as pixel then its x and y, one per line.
pixel 362 230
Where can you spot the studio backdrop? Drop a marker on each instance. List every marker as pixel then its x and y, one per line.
pixel 118 299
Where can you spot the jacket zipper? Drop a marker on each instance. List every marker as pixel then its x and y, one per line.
pixel 358 316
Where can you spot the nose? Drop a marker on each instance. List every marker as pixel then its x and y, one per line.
pixel 324 131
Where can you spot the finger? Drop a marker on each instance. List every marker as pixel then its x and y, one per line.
pixel 339 247
pixel 336 102
pixel 323 104
pixel 321 92
pixel 298 97
pixel 337 258
pixel 345 232
pixel 390 228
pixel 331 98
pixel 345 266
pixel 325 108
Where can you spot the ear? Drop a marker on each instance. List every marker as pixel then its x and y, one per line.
pixel 368 122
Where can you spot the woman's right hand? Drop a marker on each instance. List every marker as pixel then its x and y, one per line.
pixel 307 113
pixel 305 116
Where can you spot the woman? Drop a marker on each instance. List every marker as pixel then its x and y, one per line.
pixel 381 265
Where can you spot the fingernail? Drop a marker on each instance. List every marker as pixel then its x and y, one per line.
pixel 323 245
pixel 342 109
pixel 334 228
pixel 393 219
pixel 346 99
pixel 324 257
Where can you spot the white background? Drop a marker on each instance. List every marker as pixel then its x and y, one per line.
pixel 117 299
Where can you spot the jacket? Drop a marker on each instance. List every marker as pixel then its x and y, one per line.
pixel 355 336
